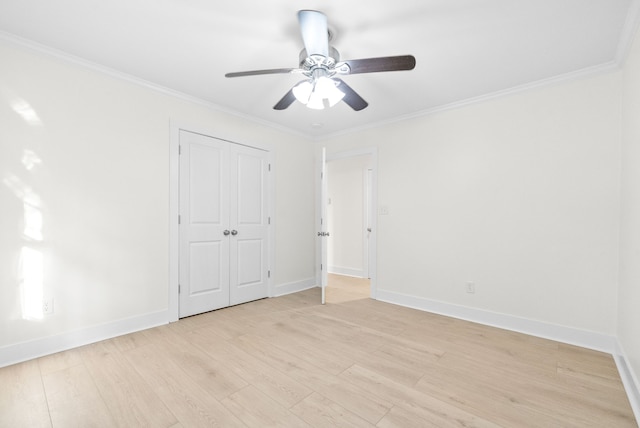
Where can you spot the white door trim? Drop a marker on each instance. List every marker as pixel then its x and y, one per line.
pixel 174 199
pixel 368 213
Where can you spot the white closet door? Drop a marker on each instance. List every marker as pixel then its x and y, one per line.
pixel 248 169
pixel 204 217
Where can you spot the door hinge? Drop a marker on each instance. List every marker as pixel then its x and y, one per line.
pixel 320 266
pixel 179 150
pixel 268 274
pixel 269 167
pixel 268 220
pixel 178 288
pixel 179 219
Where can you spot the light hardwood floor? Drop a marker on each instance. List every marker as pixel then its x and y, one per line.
pixel 291 362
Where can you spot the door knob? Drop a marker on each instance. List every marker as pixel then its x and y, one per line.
pixel 234 232
pixel 226 232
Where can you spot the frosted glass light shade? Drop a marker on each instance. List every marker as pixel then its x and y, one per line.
pixel 314 94
pixel 302 91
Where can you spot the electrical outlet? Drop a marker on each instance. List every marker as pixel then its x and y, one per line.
pixel 47 306
pixel 471 287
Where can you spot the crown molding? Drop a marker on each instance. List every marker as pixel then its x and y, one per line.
pixel 555 80
pixel 628 32
pixel 66 57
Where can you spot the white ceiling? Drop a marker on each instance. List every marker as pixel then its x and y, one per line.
pixel 464 49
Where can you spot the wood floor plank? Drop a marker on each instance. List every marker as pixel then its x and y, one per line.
pixel 392 369
pixel 215 378
pixel 555 400
pixel 350 396
pixel 440 412
pixel 74 399
pixel 272 355
pixel 359 312
pixel 410 354
pixel 258 410
pixel 588 365
pixel 357 400
pixel 399 417
pixel 277 385
pixel 290 361
pixel 536 391
pixel 322 355
pixel 325 325
pixel 321 412
pixel 192 405
pixel 132 340
pixel 59 361
pixel 129 398
pixel 23 401
pixel 493 397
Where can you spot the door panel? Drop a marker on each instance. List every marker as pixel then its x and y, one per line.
pixel 248 217
pixel 204 249
pixel 205 181
pixel 204 267
pixel 250 180
pixel 250 272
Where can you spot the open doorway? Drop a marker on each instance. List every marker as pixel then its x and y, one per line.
pixel 350 225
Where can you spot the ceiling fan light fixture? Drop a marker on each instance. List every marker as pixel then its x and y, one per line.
pixel 302 91
pixel 318 93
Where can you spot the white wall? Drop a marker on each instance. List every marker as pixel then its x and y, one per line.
pixel 519 195
pixel 84 194
pixel 629 299
pixel 346 215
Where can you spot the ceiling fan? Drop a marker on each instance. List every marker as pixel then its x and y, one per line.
pixel 320 64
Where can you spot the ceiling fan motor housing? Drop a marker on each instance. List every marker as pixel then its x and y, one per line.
pixel 308 63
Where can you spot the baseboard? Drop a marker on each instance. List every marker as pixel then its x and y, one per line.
pixel 358 273
pixel 19 352
pixel 294 287
pixel 569 335
pixel 629 379
pixel 24 351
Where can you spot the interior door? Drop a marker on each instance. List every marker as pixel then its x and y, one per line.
pixel 204 218
pixel 324 227
pixel 368 211
pixel 248 223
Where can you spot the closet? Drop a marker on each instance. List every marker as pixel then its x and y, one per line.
pixel 223 257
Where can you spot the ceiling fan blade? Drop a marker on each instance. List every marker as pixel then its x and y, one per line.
pixel 374 65
pixel 313 26
pixel 285 101
pixel 351 97
pixel 259 72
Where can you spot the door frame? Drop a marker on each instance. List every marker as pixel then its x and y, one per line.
pixel 373 244
pixel 368 212
pixel 173 306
